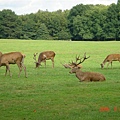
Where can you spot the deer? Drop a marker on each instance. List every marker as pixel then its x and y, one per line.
pixel 43 56
pixel 87 76
pixel 12 58
pixel 76 63
pixel 110 58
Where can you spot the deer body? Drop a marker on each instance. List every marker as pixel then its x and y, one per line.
pixel 87 76
pixel 110 58
pixel 43 56
pixel 12 58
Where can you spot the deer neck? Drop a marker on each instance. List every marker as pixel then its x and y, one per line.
pixel 104 62
pixel 79 72
pixel 39 60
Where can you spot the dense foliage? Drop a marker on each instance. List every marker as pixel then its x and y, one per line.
pixel 82 22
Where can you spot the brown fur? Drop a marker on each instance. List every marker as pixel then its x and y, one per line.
pixel 87 76
pixel 46 55
pixel 12 58
pixel 110 58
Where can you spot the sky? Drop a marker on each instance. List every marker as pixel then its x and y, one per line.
pixel 21 7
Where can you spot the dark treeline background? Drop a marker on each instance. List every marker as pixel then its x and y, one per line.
pixel 82 22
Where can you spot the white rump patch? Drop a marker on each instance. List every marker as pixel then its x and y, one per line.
pixel 44 56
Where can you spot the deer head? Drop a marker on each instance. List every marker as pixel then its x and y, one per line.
pixel 34 57
pixel 77 63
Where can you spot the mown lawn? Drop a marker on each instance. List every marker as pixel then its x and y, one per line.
pixel 54 94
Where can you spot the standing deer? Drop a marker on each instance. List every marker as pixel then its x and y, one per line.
pixel 12 58
pixel 87 76
pixel 110 58
pixel 75 64
pixel 43 56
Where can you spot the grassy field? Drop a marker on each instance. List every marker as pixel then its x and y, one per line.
pixel 54 94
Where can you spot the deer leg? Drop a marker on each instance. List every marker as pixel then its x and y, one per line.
pixel 20 66
pixel 45 63
pixel 20 69
pixel 8 69
pixel 24 70
pixel 111 64
pixel 52 62
pixel 108 64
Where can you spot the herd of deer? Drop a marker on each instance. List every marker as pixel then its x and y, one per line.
pixel 18 58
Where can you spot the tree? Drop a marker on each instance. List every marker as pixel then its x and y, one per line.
pixel 98 18
pixel 28 27
pixel 54 21
pixel 57 22
pixel 42 33
pixel 118 2
pixel 8 24
pixel 112 22
pixel 118 22
pixel 76 20
pixel 64 35
pixel 88 24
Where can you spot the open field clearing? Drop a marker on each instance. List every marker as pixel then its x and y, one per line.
pixel 54 94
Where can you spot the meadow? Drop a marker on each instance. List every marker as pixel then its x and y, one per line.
pixel 54 94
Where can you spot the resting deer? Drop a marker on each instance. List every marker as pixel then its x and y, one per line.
pixel 75 64
pixel 12 58
pixel 110 58
pixel 43 56
pixel 87 76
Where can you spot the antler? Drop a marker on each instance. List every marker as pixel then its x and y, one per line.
pixel 75 64
pixel 84 58
pixel 34 57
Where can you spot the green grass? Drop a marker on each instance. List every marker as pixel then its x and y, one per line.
pixel 54 94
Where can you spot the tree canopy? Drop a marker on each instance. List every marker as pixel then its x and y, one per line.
pixel 82 22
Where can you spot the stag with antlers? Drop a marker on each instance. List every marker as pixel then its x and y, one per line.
pixel 43 56
pixel 77 63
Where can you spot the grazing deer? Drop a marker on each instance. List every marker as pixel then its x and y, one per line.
pixel 87 76
pixel 75 64
pixel 43 56
pixel 12 58
pixel 110 58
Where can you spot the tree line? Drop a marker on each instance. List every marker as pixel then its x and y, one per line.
pixel 82 22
